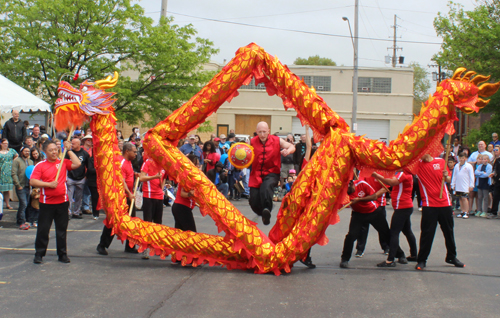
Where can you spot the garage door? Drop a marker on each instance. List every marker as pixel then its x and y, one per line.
pixel 246 124
pixel 374 129
pixel 298 130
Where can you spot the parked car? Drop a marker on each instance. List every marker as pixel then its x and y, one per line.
pixel 243 138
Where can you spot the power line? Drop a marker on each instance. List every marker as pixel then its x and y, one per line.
pixel 300 31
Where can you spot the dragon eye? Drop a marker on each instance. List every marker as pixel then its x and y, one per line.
pixel 84 88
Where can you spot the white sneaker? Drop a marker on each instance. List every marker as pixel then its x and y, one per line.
pixel 459 215
pixel 465 215
pixel 145 254
pixel 420 209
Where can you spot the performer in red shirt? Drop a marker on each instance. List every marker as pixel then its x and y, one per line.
pixel 152 177
pixel 402 187
pixel 182 209
pixel 365 209
pixel 363 235
pixel 435 210
pixel 53 199
pixel 129 153
pixel 266 169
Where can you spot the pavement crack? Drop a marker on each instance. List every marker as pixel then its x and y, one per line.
pixel 159 305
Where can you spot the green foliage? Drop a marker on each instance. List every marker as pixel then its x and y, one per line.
pixel 484 133
pixel 421 86
pixel 160 65
pixel 314 60
pixel 470 39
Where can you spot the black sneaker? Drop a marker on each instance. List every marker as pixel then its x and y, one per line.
pixel 344 264
pixel 37 259
pixel 308 262
pixel 386 251
pixel 455 262
pixel 101 250
pixel 385 264
pixel 402 260
pixel 64 259
pixel 420 266
pixel 76 216
pixel 266 216
pixel 411 258
pixel 360 253
pixel 131 250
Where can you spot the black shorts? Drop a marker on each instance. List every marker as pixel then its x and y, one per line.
pixel 462 194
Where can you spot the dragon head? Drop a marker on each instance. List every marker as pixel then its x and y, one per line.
pixel 74 106
pixel 465 91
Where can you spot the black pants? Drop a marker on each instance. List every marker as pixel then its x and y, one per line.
pixel 379 222
pixel 152 210
pixel 94 196
pixel 48 213
pixel 183 217
pixel 107 238
pixel 401 222
pixel 262 198
pixel 230 181
pixel 363 235
pixel 416 192
pixel 430 218
pixel 496 198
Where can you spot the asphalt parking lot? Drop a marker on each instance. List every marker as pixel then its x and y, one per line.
pixel 124 285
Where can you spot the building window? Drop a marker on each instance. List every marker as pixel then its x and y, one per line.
pixel 374 85
pixel 253 86
pixel 320 83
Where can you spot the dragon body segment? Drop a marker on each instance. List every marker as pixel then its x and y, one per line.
pixel 319 191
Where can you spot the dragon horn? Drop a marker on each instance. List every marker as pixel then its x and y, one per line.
pixel 478 79
pixel 468 75
pixel 109 82
pixel 486 90
pixel 458 73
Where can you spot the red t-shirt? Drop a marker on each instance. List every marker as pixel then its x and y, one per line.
pixel 430 176
pixel 214 157
pixel 363 189
pixel 128 173
pixel 46 171
pixel 377 186
pixel 152 189
pixel 401 193
pixel 184 201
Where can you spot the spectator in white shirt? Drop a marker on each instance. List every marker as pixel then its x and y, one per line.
pixel 463 183
pixel 481 150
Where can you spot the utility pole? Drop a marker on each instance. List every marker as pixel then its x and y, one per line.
pixel 355 76
pixel 394 43
pixel 164 8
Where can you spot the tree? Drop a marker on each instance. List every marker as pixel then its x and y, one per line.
pixel 421 86
pixel 314 60
pixel 42 39
pixel 470 39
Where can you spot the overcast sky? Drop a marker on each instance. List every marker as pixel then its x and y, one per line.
pixel 415 23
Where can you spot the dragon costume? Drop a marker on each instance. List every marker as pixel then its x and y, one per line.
pixel 313 202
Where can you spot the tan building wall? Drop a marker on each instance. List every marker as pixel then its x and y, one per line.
pixel 395 106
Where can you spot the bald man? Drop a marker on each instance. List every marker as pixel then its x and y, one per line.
pixel 14 131
pixel 266 167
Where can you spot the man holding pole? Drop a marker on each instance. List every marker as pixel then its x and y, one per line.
pixel 129 154
pixel 50 176
pixel 436 209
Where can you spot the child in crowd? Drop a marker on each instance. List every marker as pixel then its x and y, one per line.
pixel 462 183
pixel 289 183
pixel 455 202
pixel 34 207
pixel 483 182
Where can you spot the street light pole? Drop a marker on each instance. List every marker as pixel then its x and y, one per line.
pixel 354 124
pixel 164 8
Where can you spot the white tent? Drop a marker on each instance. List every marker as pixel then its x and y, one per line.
pixel 14 97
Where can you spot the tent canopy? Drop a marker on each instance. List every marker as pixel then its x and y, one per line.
pixel 14 97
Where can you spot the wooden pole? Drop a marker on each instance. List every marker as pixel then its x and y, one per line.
pixel 448 145
pixel 383 185
pixel 345 206
pixel 64 155
pixel 133 199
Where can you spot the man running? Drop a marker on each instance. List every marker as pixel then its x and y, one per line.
pixel 266 168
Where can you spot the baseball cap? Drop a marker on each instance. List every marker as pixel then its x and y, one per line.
pixel 216 139
pixel 89 136
pixel 292 171
pixel 77 132
pixel 45 136
pixel 231 135
pixel 192 137
pixel 222 136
